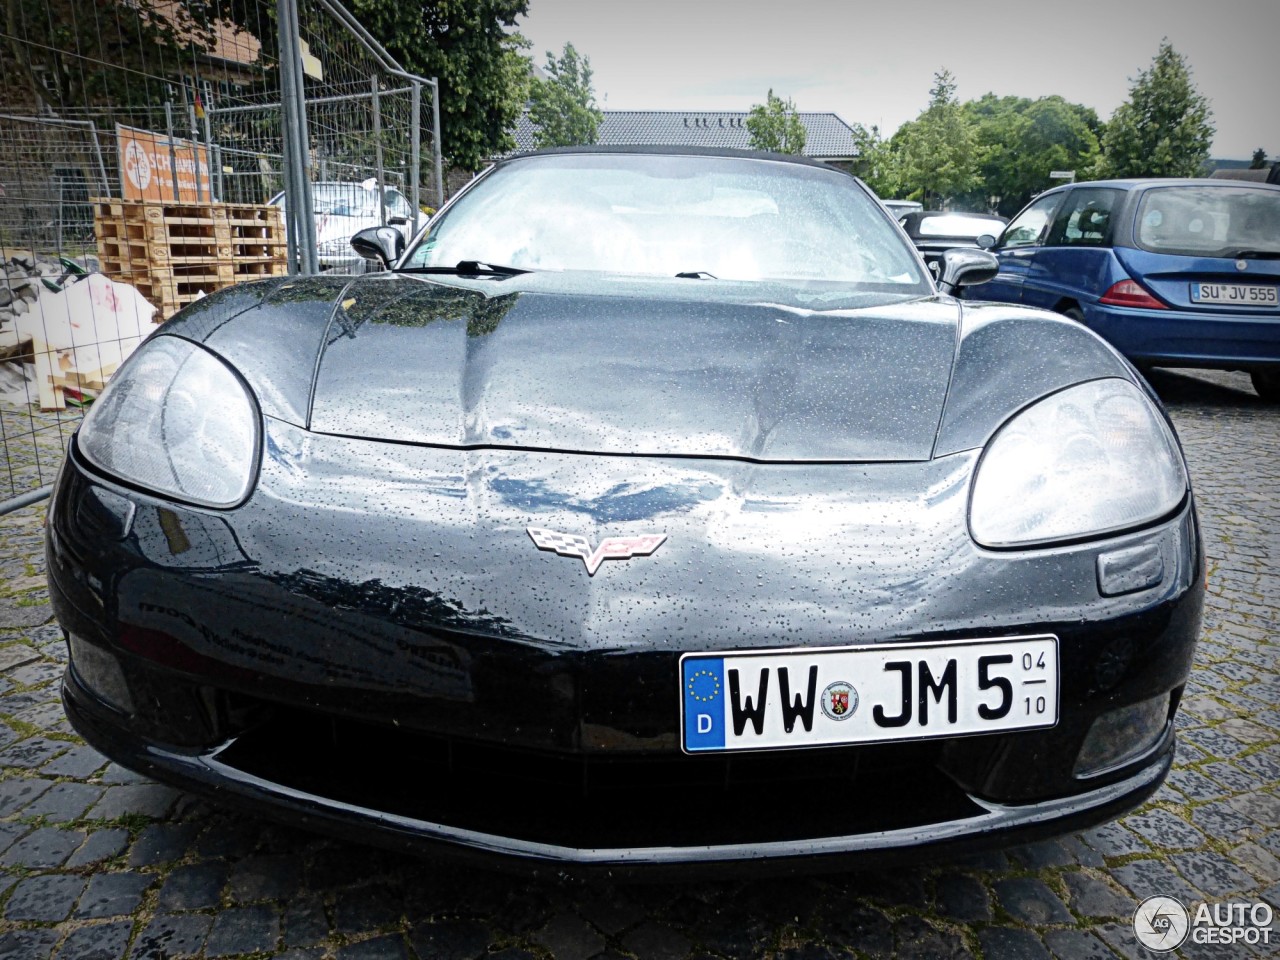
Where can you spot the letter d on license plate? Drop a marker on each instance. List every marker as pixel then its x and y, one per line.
pixel 776 699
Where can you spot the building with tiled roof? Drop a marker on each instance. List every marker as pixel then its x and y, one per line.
pixel 827 137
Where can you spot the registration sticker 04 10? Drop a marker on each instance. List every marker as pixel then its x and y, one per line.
pixel 779 699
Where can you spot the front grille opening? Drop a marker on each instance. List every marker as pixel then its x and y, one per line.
pixel 586 801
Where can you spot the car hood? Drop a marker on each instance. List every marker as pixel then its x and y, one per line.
pixel 621 371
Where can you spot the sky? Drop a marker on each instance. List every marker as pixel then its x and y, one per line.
pixel 873 62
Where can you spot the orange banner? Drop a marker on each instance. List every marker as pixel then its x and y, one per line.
pixel 149 162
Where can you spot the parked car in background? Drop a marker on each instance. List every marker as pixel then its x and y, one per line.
pixel 900 208
pixel 1172 272
pixel 933 231
pixel 344 209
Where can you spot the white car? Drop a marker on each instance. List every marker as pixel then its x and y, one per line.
pixel 343 209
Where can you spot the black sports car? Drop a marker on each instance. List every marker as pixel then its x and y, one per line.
pixel 935 231
pixel 656 508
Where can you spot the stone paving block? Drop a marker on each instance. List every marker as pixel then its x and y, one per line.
pixel 305 923
pixel 1222 821
pixel 1149 878
pixel 366 909
pixel 1048 853
pixel 64 802
pixel 1077 945
pixel 9 832
pixel 451 939
pixel 1121 938
pixel 276 877
pixel 1009 943
pixel 194 886
pixel 1164 830
pixel 1114 840
pixel 113 895
pixel 116 774
pixel 657 941
pixel 916 939
pixel 13 616
pixel 1090 897
pixel 49 897
pixel 102 941
pixel 42 848
pixel 1031 901
pixel 15 654
pixel 569 937
pixel 148 799
pixel 243 930
pixel 391 947
pixel 79 762
pixel 32 752
pixel 100 845
pixel 1212 873
pixel 1231 776
pixel 162 843
pixel 169 936
pixel 1262 808
pixel 35 673
pixel 962 897
pixel 27 944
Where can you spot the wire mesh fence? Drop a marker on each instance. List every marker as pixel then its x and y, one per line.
pixel 166 101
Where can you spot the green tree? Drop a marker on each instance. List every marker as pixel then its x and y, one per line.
pixel 774 125
pixel 1259 159
pixel 483 75
pixel 563 106
pixel 938 153
pixel 1165 128
pixel 876 163
pixel 1021 141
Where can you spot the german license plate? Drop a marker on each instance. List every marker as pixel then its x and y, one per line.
pixel 776 699
pixel 1236 294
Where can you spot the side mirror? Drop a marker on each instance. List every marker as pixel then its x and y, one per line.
pixel 384 244
pixel 966 267
pixel 986 241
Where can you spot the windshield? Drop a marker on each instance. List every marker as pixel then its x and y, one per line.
pixel 958 225
pixel 725 218
pixel 1209 221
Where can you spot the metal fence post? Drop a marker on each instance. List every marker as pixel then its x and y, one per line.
pixel 295 136
pixel 377 155
pixel 435 141
pixel 415 150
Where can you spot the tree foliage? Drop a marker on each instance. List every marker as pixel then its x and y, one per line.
pixel 483 75
pixel 938 154
pixel 1165 128
pixel 1259 160
pixel 1022 141
pixel 563 106
pixel 72 54
pixel 774 125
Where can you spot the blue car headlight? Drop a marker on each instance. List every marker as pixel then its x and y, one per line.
pixel 177 420
pixel 1092 459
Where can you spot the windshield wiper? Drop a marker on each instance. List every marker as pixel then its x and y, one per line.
pixel 470 268
pixel 1254 254
pixel 697 275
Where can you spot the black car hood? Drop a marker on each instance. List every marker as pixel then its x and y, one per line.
pixel 417 361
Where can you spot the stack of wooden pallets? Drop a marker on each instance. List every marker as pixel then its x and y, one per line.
pixel 174 253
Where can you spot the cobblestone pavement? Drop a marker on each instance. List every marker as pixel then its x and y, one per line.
pixel 96 862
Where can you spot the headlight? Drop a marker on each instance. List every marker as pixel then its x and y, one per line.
pixel 178 421
pixel 1092 459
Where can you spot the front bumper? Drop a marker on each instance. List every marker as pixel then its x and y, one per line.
pixel 1189 339
pixel 375 694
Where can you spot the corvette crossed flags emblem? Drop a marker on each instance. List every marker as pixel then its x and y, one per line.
pixel 614 548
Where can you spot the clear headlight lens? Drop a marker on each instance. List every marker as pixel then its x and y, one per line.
pixel 1092 459
pixel 176 420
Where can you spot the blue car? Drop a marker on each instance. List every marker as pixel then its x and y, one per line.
pixel 1182 273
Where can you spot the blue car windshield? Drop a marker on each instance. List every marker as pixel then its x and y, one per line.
pixel 714 217
pixel 1204 221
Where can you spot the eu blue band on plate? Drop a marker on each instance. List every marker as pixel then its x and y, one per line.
pixel 702 687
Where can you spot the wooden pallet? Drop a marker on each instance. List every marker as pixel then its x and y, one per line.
pixel 175 252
